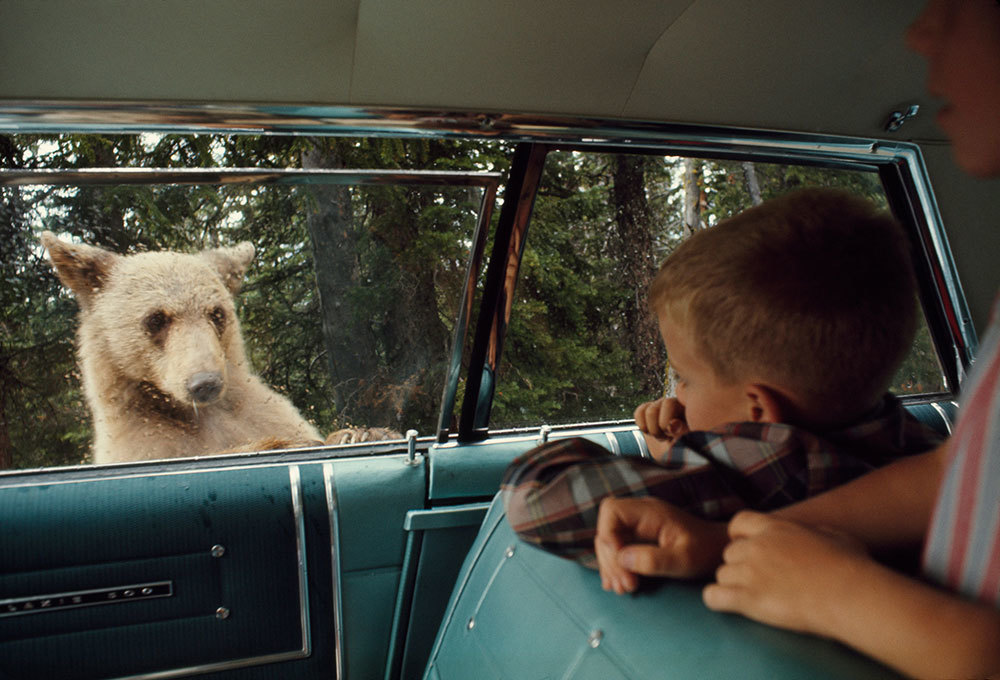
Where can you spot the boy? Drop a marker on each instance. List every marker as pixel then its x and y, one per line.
pixel 791 572
pixel 784 325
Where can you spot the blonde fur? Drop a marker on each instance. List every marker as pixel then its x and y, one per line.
pixel 165 372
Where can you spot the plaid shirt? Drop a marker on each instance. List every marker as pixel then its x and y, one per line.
pixel 552 492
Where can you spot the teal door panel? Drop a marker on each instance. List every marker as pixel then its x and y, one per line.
pixel 370 499
pixel 124 576
pixel 273 570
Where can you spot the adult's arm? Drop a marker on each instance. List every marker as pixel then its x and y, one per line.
pixel 788 575
pixel 887 508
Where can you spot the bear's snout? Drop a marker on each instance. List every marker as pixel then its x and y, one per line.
pixel 205 386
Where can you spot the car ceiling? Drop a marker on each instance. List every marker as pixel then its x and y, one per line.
pixel 830 67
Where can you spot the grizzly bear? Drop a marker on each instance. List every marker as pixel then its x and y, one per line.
pixel 165 373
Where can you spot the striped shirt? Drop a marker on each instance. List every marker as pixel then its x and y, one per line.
pixel 963 544
pixel 552 492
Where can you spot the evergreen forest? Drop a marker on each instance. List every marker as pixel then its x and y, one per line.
pixel 350 305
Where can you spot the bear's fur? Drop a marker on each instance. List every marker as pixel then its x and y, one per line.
pixel 164 369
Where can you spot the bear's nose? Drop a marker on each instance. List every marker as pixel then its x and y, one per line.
pixel 205 386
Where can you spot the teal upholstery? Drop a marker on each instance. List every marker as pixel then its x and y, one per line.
pixel 117 533
pixel 517 612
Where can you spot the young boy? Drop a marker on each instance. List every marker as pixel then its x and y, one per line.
pixel 784 325
pixel 796 568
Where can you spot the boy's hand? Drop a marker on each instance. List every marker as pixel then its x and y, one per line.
pixel 647 536
pixel 661 421
pixel 785 574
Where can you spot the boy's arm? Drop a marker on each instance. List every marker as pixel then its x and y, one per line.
pixel 649 536
pixel 884 509
pixel 787 575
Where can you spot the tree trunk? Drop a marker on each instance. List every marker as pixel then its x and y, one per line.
pixel 693 199
pixel 750 179
pixel 10 223
pixel 415 339
pixel 638 266
pixel 347 335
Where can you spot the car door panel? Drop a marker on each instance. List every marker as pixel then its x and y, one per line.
pixel 125 576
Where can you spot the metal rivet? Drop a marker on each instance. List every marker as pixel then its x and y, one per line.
pixel 222 613
pixel 471 624
pixel 595 638
pixel 218 550
pixel 510 551
pixel 129 593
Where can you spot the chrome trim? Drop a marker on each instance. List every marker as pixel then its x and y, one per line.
pixel 46 116
pixel 498 290
pixel 952 295
pixel 465 310
pixel 613 443
pixel 944 416
pixel 532 436
pixel 641 441
pixel 92 473
pixel 225 176
pixel 57 602
pixel 295 482
pixel 338 606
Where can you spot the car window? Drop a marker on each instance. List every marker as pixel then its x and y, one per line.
pixel 364 275
pixel 581 345
pixel 347 308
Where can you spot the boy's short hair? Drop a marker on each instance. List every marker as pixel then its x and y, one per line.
pixel 813 291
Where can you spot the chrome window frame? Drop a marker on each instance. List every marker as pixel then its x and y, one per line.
pixel 56 116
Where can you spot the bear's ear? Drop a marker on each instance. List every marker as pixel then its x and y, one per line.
pixel 83 269
pixel 231 263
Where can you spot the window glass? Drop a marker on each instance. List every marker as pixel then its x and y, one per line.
pixel 347 308
pixel 581 346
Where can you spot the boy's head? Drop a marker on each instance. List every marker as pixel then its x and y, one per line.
pixel 805 305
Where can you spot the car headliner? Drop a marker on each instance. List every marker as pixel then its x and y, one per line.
pixel 831 67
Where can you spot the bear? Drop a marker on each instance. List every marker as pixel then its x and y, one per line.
pixel 164 369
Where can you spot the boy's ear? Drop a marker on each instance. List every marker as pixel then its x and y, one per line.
pixel 81 268
pixel 765 404
pixel 231 263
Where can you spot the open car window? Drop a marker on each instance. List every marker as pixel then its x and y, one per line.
pixel 359 305
pixel 581 345
pixel 348 308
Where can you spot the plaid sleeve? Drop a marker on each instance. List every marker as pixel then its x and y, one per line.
pixel 552 493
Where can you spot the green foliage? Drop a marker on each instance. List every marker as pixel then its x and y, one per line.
pixel 350 304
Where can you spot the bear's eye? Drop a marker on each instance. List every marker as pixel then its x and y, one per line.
pixel 218 317
pixel 156 322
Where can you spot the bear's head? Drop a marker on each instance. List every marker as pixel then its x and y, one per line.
pixel 162 320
